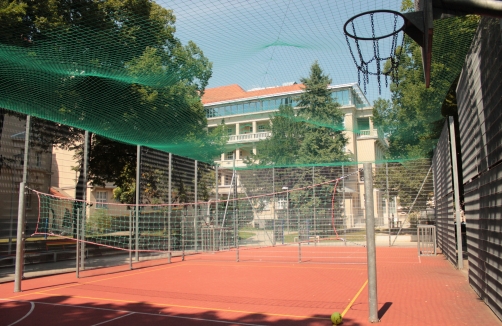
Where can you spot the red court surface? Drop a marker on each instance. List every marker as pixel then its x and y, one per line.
pixel 200 291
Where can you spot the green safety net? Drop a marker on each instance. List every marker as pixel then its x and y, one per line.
pixel 135 71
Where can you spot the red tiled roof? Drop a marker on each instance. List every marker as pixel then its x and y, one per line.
pixel 56 193
pixel 234 92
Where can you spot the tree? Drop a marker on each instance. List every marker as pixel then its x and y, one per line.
pixel 324 141
pixel 133 62
pixel 313 134
pixel 286 136
pixel 412 119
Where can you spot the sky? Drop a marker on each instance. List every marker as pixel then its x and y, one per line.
pixel 264 43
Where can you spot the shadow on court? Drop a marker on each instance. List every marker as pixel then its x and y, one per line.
pixel 63 310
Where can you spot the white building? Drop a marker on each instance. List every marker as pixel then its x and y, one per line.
pixel 247 115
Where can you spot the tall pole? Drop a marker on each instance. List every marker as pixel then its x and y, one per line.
pixel 234 195
pixel 456 191
pixel 388 198
pixel 130 240
pixel 287 208
pixel 169 200
pixel 343 202
pixel 84 201
pixel 18 274
pixel 77 251
pixel 216 247
pixel 273 201
pixel 315 204
pixel 138 176
pixel 196 216
pixel 217 196
pixel 370 243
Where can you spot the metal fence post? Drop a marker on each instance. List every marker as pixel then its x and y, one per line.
pixel 21 213
pixel 315 205
pixel 77 249
pixel 196 207
pixel 84 201
pixel 138 176
pixel 130 239
pixel 388 200
pixel 456 191
pixel 169 200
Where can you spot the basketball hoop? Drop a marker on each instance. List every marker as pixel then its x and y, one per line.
pixel 384 29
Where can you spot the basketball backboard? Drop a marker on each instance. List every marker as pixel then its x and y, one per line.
pixel 426 7
pixel 420 24
pixel 420 27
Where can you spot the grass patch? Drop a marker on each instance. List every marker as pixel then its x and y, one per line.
pixel 290 238
pixel 243 235
pixel 32 239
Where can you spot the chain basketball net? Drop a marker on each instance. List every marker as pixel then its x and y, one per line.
pixel 375 63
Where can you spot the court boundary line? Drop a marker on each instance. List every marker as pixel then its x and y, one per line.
pixel 94 281
pixel 186 306
pixel 280 264
pixel 354 299
pixel 137 313
pixel 197 262
pixel 29 313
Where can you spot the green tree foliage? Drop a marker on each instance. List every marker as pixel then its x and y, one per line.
pixel 405 180
pixel 124 53
pixel 412 119
pixel 312 134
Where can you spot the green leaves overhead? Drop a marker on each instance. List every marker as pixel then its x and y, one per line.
pixel 412 119
pixel 114 68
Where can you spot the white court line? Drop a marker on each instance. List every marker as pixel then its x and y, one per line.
pixel 29 312
pixel 130 313
pixel 107 321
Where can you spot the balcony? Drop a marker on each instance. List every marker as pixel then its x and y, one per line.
pixel 247 138
pixel 370 133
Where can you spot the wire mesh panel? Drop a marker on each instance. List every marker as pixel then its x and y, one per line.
pixel 405 198
pixel 426 240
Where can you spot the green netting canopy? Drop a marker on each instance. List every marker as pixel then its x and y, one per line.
pixel 135 71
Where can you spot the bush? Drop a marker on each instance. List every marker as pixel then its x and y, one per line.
pixel 98 222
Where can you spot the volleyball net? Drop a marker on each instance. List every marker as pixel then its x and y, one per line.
pixel 246 214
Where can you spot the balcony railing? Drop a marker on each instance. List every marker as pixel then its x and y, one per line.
pixel 370 133
pixel 244 138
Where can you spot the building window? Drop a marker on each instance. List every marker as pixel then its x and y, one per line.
pixel 101 199
pixel 230 155
pixel 230 131
pixel 247 129
pixel 261 128
pixel 281 203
